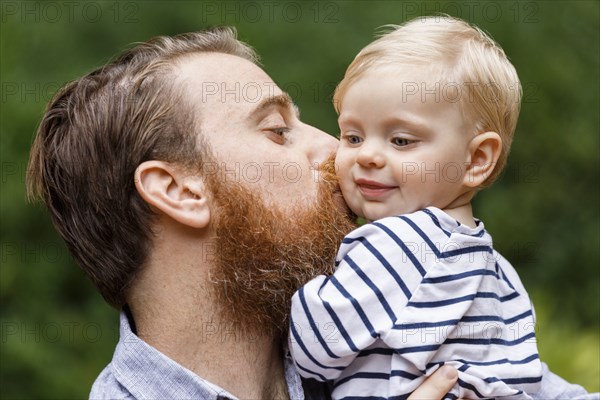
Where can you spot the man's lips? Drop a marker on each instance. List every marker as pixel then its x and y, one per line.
pixel 373 189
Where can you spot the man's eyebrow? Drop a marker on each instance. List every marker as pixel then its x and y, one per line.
pixel 282 100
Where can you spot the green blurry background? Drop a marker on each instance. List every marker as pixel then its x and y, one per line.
pixel 57 334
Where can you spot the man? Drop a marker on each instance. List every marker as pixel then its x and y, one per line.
pixel 187 188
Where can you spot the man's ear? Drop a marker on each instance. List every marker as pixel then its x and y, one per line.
pixel 484 150
pixel 180 196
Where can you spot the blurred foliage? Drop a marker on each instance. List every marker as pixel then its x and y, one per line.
pixel 57 334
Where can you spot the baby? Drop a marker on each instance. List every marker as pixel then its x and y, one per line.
pixel 427 114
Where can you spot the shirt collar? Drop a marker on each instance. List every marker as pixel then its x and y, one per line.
pixel 147 373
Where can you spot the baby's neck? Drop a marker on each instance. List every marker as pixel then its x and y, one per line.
pixel 462 212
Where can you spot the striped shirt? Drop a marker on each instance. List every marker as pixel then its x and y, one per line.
pixel 411 293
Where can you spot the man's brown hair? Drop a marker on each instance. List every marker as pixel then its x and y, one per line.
pixel 96 131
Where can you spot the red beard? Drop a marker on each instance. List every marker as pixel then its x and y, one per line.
pixel 263 255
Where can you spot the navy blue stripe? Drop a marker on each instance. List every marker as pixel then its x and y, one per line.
pixel 455 277
pixel 466 385
pixel 436 221
pixel 305 350
pixel 372 286
pixel 518 381
pixel 367 375
pixel 488 318
pixel 474 342
pixel 505 278
pixel 422 234
pixel 357 307
pixel 403 374
pixel 350 240
pixel 442 303
pixel 490 295
pixel 480 233
pixel 313 325
pixel 321 377
pixel 376 375
pixel 339 325
pixel 438 363
pixel 387 266
pixel 403 246
pixel 466 250
pixel 474 318
pixel 364 398
pixel 526 360
pixel 382 351
pixel 417 349
pixel 489 341
pixel 421 325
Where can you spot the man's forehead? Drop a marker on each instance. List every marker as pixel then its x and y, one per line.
pixel 223 80
pixel 222 68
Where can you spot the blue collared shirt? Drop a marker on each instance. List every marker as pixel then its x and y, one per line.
pixel 139 371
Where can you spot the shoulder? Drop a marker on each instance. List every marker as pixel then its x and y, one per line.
pixel 389 237
pixel 107 386
pixel 509 273
pixel 417 225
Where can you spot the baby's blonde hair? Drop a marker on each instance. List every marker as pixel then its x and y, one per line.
pixel 490 95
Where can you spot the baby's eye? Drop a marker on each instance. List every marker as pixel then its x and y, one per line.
pixel 398 141
pixel 353 139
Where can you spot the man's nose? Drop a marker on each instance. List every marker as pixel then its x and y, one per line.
pixel 320 145
pixel 370 155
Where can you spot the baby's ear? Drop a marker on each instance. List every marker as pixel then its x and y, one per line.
pixel 169 189
pixel 484 150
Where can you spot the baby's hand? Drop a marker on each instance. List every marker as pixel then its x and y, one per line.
pixel 437 385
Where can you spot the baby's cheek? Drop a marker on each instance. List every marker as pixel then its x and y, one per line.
pixel 352 199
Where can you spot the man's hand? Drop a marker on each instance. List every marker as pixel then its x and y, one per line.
pixel 437 385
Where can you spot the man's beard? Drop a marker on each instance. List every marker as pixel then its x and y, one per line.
pixel 263 254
